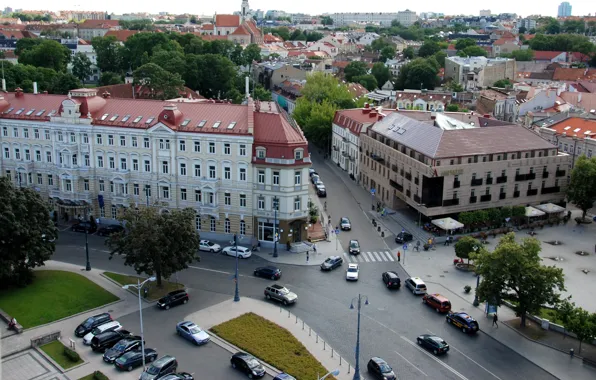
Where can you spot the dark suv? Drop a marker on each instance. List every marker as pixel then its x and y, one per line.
pixel 91 323
pixel 391 280
pixel 106 340
pixel 111 229
pixel 403 237
pixel 177 297
pixel 122 347
pixel 84 226
pixel 160 368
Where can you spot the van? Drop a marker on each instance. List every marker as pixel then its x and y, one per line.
pixel 416 285
pixel 438 302
pixel 160 368
pixel 91 323
pixel 108 339
pixel 110 326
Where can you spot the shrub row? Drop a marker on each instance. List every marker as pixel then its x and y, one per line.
pixel 72 355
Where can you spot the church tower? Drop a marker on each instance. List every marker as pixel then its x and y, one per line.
pixel 245 10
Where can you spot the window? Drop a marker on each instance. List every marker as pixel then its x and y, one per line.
pixel 60 157
pixel 242 200
pixel 102 212
pixel 242 150
pixel 165 192
pixel 47 134
pixel 297 204
pixel 4 131
pixel 227 199
pixel 147 191
pixel 134 141
pixel 182 168
pixel 165 167
pixel 297 177
pixel 275 203
pixel 298 155
pixel 137 119
pixel 164 144
pixel 49 156
pixel 182 145
pixel 87 160
pixel 8 175
pixel 211 199
pixel 261 177
pixel 110 139
pixel 197 146
pixel 6 152
pixel 123 163
pixel 183 194
pixel 261 153
pixel 227 173
pixel 146 142
pixel 67 185
pixel 60 137
pixel 114 212
pixel 212 173
pixel 26 133
pixel 73 137
pixel 37 155
pixel 85 138
pixel 112 162
pixel 197 170
pixel 86 184
pixel 211 148
pixel 98 139
pixel 17 154
pixel 147 166
pixel 242 227
pixel 111 187
pixel 198 196
pixel 135 164
pixel 227 226
pixel 39 179
pixel 276 177
pixel 15 133
pixel 122 140
pixel 99 161
pixel 212 224
pixel 227 149
pixel 50 180
pixel 28 156
pixel 242 172
pixel 198 222
pixel 261 203
pixel 135 189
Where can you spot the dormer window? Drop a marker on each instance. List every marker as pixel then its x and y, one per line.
pixel 261 153
pixel 298 154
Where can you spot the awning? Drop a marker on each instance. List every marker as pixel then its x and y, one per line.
pixel 447 224
pixel 550 208
pixel 532 212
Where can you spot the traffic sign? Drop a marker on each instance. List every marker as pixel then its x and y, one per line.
pixel 373 191
pixel 405 247
pixel 337 231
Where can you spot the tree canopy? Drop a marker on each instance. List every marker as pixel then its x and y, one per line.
pixel 408 53
pixel 81 66
pixel 520 55
pixel 355 69
pixel 381 73
pixel 582 187
pixel 47 53
pixel 562 42
pixel 503 83
pixel 416 74
pixel 162 83
pixel 472 51
pixel 466 245
pixel 463 43
pixel 369 81
pixel 428 48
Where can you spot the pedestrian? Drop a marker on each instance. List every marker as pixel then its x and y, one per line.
pixel 314 248
pixel 398 256
pixel 145 292
pixel 495 320
pixel 307 256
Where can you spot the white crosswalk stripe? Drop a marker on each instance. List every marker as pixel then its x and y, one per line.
pixel 365 256
pixel 369 257
pixel 377 256
pixel 389 256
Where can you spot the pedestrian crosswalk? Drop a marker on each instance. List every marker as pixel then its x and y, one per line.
pixel 369 257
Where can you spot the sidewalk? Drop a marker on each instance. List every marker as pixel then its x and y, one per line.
pixel 229 309
pixel 325 249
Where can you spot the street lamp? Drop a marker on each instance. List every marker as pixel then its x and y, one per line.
pixel 359 300
pixel 275 207
pixel 236 292
pixel 420 214
pixel 332 373
pixel 476 302
pixel 88 265
pixel 139 286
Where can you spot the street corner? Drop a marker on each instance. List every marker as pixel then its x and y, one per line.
pixel 303 259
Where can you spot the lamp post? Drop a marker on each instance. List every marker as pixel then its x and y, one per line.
pixel 139 286
pixel 236 292
pixel 275 207
pixel 88 264
pixel 332 373
pixel 359 300
pixel 147 194
pixel 476 302
pixel 420 214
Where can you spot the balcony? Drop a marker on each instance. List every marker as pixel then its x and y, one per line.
pixel 489 180
pixel 416 198
pixel 550 190
pixel 560 173
pixel 70 196
pixel 352 158
pixel 213 182
pixel 502 179
pixel 502 196
pixel 476 182
pixel 344 153
pixel 409 176
pixel 417 181
pixel 450 202
pixel 335 147
pixel 530 176
pixel 485 198
pixel 516 194
pixel 520 177
pixel 456 184
pixel 544 174
pixel 473 199
pixel 396 185
pixel 532 192
pixel 408 193
pixel 394 168
pixel 377 158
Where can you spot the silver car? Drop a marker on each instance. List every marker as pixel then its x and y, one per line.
pixel 344 224
pixel 281 294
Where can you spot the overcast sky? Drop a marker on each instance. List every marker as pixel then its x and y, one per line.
pixel 524 8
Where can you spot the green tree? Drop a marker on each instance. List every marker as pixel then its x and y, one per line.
pixel 48 53
pixel 514 271
pixel 170 60
pixel 416 74
pixel 261 94
pixel 465 246
pixel 283 32
pixel 157 243
pixel 368 81
pixel 381 73
pixel 297 35
pixel 564 312
pixel 193 19
pixel 108 78
pixel 522 30
pixel 162 83
pixel 520 55
pixel 553 27
pixel 452 108
pixel 212 75
pixel 503 83
pixel 313 36
pixel 109 54
pixel 583 324
pixel 81 66
pixel 463 43
pixel 428 48
pixel 380 43
pixel 388 52
pixel 582 187
pixel 326 20
pixel 473 51
pixel 27 233
pixel 251 53
pixel 355 69
pixel 26 44
pixel 440 56
pixel 408 53
pixel 64 82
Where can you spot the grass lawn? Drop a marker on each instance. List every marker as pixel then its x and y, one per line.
pixel 55 350
pixel 272 344
pixel 53 295
pixel 154 293
pixel 546 313
pixel 91 376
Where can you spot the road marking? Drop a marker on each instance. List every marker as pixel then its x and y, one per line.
pixel 365 256
pixel 358 259
pixel 377 257
pixel 389 255
pixel 210 270
pixel 451 369
pixel 410 363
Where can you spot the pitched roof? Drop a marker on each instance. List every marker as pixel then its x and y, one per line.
pixel 126 91
pixel 227 21
pixel 588 85
pixel 504 40
pixel 583 100
pixel 275 131
pixel 269 38
pixel 99 24
pixel 17 34
pixel 240 31
pixel 357 119
pixel 207 26
pixel 564 74
pixel 121 35
pixel 576 126
pixel 252 28
pixel 546 55
pixel 356 89
pixel 426 96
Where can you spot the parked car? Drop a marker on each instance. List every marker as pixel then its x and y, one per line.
pixel 129 344
pixel 179 376
pixel 416 285
pixel 352 272
pixel 110 326
pixel 354 247
pixel 438 302
pixel 248 364
pixel 314 178
pixel 111 229
pixel 344 224
pixel 321 191
pixel 317 183
pixel 192 332
pixel 331 263
pixel 176 297
pixel 269 271
pixel 379 369
pixel 284 376
pixel 391 279
pixel 242 252
pixel 206 245
pixel 463 321
pixel 160 368
pixel 107 340
pixel 91 323
pixel 403 237
pixel 433 343
pixel 280 293
pixel 84 226
pixel 132 359
pixel 311 172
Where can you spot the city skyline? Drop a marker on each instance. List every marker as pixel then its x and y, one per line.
pixel 547 8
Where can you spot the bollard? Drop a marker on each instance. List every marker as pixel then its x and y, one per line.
pixel 349 366
pixel 288 313
pixel 296 319
pixel 280 309
pixel 571 352
pixel 331 352
pixel 302 325
pixel 340 361
pixel 378 228
pixel 382 233
pixel 317 338
pixel 324 345
pixel 309 331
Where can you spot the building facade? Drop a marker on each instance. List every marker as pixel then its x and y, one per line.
pixel 573 135
pixel 564 9
pixel 381 18
pixel 92 155
pixel 479 72
pixel 450 166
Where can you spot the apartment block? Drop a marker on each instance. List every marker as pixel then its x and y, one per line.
pixel 478 72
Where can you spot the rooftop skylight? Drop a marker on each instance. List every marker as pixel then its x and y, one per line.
pixel 137 119
pixel 125 118
pixel 113 118
pixel 202 124
pixel 217 123
pixel 19 111
pixel 104 116
pixel 232 125
pixel 150 120
pixel 185 122
pixel 40 113
pixel 30 112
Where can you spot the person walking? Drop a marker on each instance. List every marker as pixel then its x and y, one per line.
pixel 495 320
pixel 307 256
pixel 398 256
pixel 314 248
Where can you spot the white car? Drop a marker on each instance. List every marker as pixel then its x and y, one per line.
pixel 110 326
pixel 242 252
pixel 344 224
pixel 352 272
pixel 206 245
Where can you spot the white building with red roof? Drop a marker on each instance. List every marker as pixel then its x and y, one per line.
pixel 95 155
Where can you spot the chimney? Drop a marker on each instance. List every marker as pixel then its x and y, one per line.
pixel 18 92
pixel 35 88
pixel 381 116
pixel 106 95
pixel 373 113
pixel 3 84
pixel 45 92
pixel 365 110
pixel 486 116
pixel 247 87
pixel 366 105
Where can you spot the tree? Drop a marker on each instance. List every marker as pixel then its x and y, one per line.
pixel 583 324
pixel 261 94
pixel 463 43
pixel 326 20
pixel 64 82
pixel 388 52
pixel 465 246
pixel 582 187
pixel 193 19
pixel 428 48
pixel 452 108
pixel 520 55
pixel 355 69
pixel 381 74
pixel 453 86
pixel 26 44
pixel 553 27
pixel 250 54
pixel 473 51
pixel 212 75
pixel 313 36
pixel 564 313
pixel 408 53
pixel 416 74
pixel 522 30
pixel 108 54
pixel 81 66
pixel 162 83
pixel 108 78
pixel 503 83
pixel 27 233
pixel 48 53
pixel 440 56
pixel 368 81
pixel 514 271
pixel 157 243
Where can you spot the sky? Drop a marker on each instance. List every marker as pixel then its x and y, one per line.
pixel 314 7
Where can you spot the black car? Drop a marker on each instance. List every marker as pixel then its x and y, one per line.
pixel 379 369
pixel 84 226
pixel 91 323
pixel 177 297
pixel 464 321
pixel 321 191
pixel 391 279
pixel 133 359
pixel 331 263
pixel 179 376
pixel 403 237
pixel 248 364
pixel 433 343
pixel 111 229
pixel 122 347
pixel 354 247
pixel 161 368
pixel 107 340
pixel 269 271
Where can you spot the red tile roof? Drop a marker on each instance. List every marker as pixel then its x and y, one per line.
pixel 207 26
pixel 17 34
pixel 240 31
pixel 274 132
pixel 125 91
pixel 227 21
pixel 269 38
pixel 253 28
pixel 546 55
pixel 121 35
pixel 504 40
pixel 576 126
pixel 99 24
pixel 564 74
pixel 356 119
pixel 579 57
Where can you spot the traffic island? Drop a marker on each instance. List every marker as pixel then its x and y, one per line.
pixel 153 291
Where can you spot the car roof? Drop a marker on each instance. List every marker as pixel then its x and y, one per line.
pixel 464 315
pixel 186 323
pixel 352 266
pixel 354 241
pixel 270 267
pixel 173 292
pixel 163 360
pixel 243 355
pixel 376 359
pixel 277 286
pixel 392 273
pixel 344 218
pixel 333 258
pixel 440 297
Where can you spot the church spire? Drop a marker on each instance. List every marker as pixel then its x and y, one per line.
pixel 245 10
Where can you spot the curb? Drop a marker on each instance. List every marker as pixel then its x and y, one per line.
pixel 135 293
pixel 58 366
pixel 541 343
